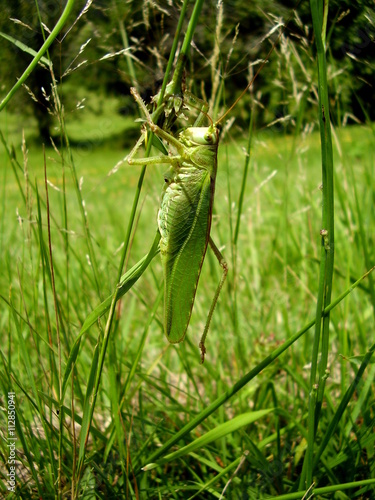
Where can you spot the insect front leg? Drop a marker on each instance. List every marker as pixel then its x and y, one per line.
pixel 136 147
pixel 154 160
pixel 224 266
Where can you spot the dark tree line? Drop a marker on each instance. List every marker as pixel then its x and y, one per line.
pixel 149 28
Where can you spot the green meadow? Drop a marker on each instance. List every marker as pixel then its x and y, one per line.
pixel 114 410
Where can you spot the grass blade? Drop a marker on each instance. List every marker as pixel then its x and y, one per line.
pixel 56 30
pixel 212 435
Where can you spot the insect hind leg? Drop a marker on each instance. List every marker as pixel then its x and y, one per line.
pixel 224 266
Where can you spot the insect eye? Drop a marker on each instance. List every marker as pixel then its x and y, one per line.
pixel 208 138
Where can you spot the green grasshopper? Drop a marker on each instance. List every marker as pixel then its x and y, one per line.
pixel 184 219
pixel 185 214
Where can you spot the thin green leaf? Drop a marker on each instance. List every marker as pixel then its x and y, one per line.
pixel 212 435
pixel 86 409
pixel 56 30
pixel 25 48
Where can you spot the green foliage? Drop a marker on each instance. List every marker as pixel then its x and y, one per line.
pixel 94 57
pixel 97 404
pixel 26 29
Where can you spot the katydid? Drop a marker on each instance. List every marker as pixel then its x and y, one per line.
pixel 184 220
pixel 185 214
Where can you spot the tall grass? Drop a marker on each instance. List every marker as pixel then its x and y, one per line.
pixel 104 406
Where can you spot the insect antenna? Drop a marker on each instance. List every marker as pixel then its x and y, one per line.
pixel 260 67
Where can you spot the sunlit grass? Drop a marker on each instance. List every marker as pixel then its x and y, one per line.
pixel 275 298
pixel 149 391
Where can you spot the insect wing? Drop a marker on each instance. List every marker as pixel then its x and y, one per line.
pixel 184 223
